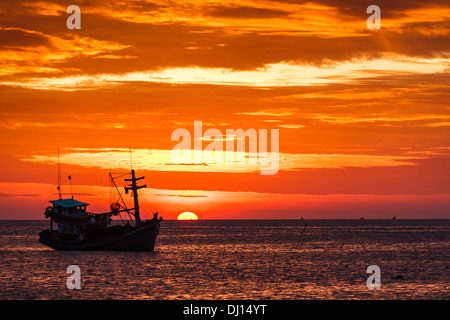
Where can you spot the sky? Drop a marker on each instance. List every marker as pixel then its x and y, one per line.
pixel 362 115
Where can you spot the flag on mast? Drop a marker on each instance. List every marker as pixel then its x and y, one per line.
pixel 71 191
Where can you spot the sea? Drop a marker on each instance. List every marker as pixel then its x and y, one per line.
pixel 240 260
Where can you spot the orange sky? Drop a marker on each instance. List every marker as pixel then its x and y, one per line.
pixel 363 115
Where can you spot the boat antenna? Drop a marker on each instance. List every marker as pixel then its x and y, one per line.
pixel 59 176
pixel 131 159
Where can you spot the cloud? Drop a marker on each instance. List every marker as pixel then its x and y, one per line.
pixel 45 8
pixel 291 126
pixel 14 195
pixel 235 36
pixel 244 12
pixel 279 112
pixel 179 195
pixel 44 53
pixel 161 160
pixel 19 38
pixel 273 75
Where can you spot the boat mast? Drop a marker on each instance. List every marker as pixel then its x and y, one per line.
pixel 135 188
pixel 59 177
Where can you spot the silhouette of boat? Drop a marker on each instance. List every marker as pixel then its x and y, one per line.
pixel 78 229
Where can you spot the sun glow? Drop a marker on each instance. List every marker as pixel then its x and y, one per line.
pixel 187 216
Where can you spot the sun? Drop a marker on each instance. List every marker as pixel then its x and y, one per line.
pixel 187 216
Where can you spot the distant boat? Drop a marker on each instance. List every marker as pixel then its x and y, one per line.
pixel 81 230
pixel 361 218
pixel 394 218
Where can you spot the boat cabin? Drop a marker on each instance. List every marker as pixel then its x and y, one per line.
pixel 70 215
pixel 69 206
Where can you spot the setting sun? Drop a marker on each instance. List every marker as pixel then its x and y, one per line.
pixel 187 216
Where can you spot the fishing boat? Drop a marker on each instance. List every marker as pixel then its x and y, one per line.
pixel 78 229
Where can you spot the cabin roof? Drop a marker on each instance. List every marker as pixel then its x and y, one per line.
pixel 69 203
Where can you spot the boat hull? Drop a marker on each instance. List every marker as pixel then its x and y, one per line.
pixel 141 238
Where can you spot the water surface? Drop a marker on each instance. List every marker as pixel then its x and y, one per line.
pixel 239 259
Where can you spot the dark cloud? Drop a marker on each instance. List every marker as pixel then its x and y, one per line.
pixel 13 195
pixel 21 38
pixel 155 46
pixel 143 6
pixel 357 8
pixel 244 12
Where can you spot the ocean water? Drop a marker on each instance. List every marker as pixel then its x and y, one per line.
pixel 239 259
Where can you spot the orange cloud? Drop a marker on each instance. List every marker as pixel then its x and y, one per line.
pixel 47 51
